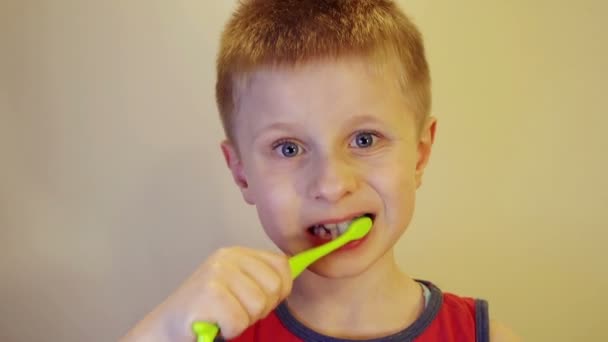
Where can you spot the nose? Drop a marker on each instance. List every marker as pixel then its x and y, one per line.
pixel 332 180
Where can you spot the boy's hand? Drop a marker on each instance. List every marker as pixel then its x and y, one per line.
pixel 234 288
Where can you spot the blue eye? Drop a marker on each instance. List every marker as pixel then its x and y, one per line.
pixel 288 149
pixel 363 140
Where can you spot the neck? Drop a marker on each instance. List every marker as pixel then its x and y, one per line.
pixel 350 307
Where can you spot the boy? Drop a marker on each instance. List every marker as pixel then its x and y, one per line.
pixel 325 105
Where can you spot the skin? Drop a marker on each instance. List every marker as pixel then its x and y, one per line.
pixel 323 142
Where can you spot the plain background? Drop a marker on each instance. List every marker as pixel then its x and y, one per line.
pixel 113 188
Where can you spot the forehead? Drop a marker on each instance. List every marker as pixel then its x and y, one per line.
pixel 328 86
pixel 346 67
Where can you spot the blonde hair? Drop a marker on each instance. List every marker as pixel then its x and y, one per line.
pixel 290 32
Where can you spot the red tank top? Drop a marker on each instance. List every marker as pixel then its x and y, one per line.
pixel 446 318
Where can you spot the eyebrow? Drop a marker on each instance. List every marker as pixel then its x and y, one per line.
pixel 363 118
pixel 358 119
pixel 276 126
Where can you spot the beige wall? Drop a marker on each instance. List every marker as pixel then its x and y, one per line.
pixel 112 186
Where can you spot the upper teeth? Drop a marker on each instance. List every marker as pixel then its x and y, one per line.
pixel 332 230
pixel 339 227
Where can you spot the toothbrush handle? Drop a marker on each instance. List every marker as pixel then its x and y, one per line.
pixel 299 262
pixel 205 332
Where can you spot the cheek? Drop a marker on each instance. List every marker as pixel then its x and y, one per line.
pixel 274 190
pixel 278 206
pixel 396 188
pixel 396 184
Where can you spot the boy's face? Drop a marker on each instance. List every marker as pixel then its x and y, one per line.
pixel 325 143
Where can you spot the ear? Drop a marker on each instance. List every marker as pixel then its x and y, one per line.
pixel 425 145
pixel 234 163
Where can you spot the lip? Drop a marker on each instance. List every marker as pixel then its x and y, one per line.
pixel 353 244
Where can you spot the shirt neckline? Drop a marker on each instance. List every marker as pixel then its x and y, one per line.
pixel 414 330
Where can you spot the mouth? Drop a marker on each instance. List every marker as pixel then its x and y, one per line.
pixel 330 230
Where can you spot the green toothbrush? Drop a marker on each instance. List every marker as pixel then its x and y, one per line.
pixel 206 332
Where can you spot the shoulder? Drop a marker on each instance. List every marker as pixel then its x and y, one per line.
pixel 495 330
pixel 464 306
pixel 477 310
pixel 501 333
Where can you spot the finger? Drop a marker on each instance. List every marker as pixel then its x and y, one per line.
pixel 280 265
pixel 248 292
pixel 266 277
pixel 233 317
